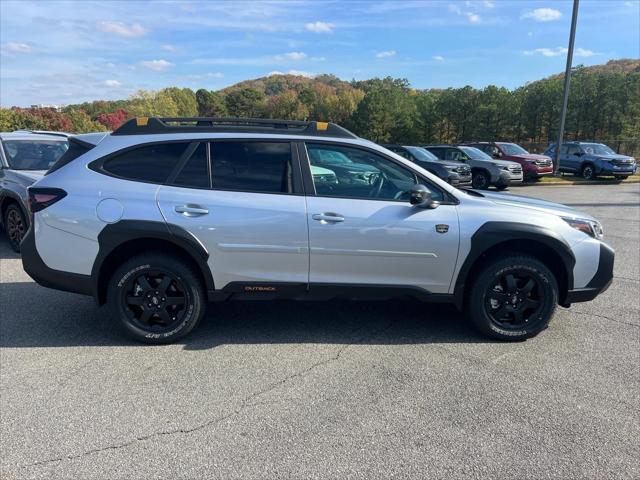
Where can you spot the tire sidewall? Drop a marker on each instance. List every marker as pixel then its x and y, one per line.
pixel 193 293
pixel 587 168
pixel 478 298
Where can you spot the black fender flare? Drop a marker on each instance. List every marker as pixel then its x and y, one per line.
pixel 116 234
pixel 494 233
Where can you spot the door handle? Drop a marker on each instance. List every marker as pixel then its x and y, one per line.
pixel 328 217
pixel 191 210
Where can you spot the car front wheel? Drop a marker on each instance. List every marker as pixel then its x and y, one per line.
pixel 588 173
pixel 513 298
pixel 480 181
pixel 156 298
pixel 15 225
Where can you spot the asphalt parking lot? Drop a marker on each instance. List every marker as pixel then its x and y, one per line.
pixel 327 390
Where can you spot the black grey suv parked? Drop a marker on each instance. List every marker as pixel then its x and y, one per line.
pixel 456 173
pixel 24 158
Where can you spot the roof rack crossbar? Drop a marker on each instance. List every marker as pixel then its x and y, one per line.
pixel 155 125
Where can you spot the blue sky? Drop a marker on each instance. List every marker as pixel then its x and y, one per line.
pixel 67 52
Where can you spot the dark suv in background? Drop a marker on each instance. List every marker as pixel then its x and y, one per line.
pixel 456 173
pixel 590 160
pixel 24 158
pixel 534 166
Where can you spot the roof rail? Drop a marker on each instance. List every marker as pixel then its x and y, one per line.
pixel 154 125
pixel 44 132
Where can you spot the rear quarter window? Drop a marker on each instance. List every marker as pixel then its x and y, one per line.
pixel 149 163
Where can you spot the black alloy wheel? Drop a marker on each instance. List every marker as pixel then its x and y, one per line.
pixel 514 299
pixel 154 300
pixel 16 226
pixel 156 297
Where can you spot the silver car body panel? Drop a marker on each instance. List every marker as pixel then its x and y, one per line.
pixel 275 238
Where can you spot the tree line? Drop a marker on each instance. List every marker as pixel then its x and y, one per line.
pixel 604 105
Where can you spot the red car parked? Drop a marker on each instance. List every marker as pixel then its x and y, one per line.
pixel 533 166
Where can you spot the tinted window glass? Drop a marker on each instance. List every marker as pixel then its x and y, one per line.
pixel 360 174
pixel 572 149
pixel 33 154
pixel 252 166
pixel 195 172
pixel 151 163
pixel 437 152
pixel 74 151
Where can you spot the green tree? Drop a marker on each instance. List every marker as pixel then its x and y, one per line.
pixel 210 104
pixel 245 102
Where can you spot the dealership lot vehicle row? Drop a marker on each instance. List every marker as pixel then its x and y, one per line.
pixel 360 389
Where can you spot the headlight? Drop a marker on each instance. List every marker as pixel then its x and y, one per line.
pixel 590 227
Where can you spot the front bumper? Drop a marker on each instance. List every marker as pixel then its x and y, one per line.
pixel 612 169
pixel 458 180
pixel 508 177
pixel 600 281
pixel 48 277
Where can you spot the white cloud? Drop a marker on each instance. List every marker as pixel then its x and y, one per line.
pixel 170 48
pixel 543 14
pixel 488 4
pixel 112 83
pixel 14 47
pixel 438 58
pixel 157 65
pixel 215 75
pixel 122 29
pixel 473 17
pixel 556 52
pixel 291 56
pixel 583 52
pixel 299 73
pixel 386 54
pixel 319 27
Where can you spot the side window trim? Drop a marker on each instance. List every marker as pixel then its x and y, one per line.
pixel 184 159
pixel 310 186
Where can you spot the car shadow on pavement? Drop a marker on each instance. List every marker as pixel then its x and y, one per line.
pixel 32 316
pixel 5 250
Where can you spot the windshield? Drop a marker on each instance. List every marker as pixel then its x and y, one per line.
pixel 513 149
pixel 597 149
pixel 422 154
pixel 475 153
pixel 33 154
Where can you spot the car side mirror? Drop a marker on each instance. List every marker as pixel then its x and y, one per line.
pixel 420 196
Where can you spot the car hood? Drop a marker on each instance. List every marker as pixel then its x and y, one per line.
pixel 503 163
pixel 531 156
pixel 614 157
pixel 535 204
pixel 28 176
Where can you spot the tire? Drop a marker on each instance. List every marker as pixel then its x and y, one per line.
pixel 174 292
pixel 588 171
pixel 495 300
pixel 15 226
pixel 480 181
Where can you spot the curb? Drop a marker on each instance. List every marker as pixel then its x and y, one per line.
pixel 568 184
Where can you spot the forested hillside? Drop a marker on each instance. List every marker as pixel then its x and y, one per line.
pixel 604 105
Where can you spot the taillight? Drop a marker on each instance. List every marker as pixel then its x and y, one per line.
pixel 42 197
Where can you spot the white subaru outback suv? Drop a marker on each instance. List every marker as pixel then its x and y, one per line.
pixel 164 214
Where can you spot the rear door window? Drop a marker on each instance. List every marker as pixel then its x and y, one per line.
pixel 149 163
pixel 262 167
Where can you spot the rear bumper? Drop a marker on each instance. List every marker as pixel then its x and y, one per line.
pixel 48 277
pixel 600 281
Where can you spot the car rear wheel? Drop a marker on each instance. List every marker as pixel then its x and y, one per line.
pixel 480 181
pixel 513 298
pixel 157 299
pixel 588 172
pixel 15 225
